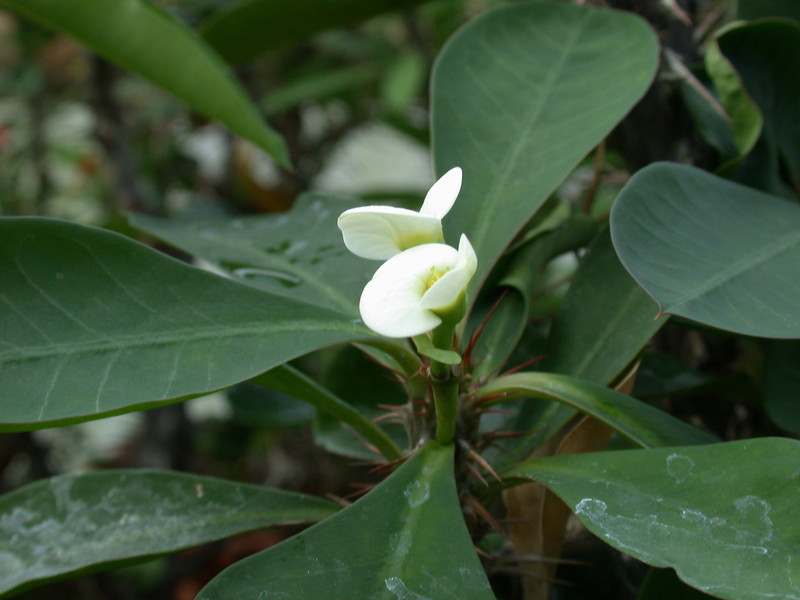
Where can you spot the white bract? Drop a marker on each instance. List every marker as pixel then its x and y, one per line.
pixel 414 291
pixel 381 232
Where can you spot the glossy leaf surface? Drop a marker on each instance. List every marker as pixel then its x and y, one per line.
pixel 142 38
pixel 711 250
pixel 249 28
pixel 406 539
pixel 639 422
pixel 724 516
pixel 519 96
pixel 78 523
pixel 299 254
pixel 93 323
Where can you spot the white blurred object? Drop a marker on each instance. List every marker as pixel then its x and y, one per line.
pixel 376 157
pixel 209 148
pixel 214 407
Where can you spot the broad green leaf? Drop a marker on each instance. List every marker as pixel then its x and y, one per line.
pixel 92 323
pixel 604 321
pixel 519 96
pixel 782 384
pixel 290 381
pixel 142 38
pixel 249 28
pixel 74 524
pixel 299 254
pixel 406 539
pixel 724 516
pixel 662 375
pixel 639 422
pixel 711 250
pixel 766 55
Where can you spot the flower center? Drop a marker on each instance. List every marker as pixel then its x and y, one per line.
pixel 435 276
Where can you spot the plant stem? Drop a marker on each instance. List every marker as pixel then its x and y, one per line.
pixel 445 387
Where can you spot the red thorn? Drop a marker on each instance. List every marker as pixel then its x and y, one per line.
pixel 527 363
pixel 474 338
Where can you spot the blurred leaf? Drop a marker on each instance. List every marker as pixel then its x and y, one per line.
pixel 519 96
pixel 782 384
pixel 72 524
pixel 663 584
pixel 290 381
pixel 711 250
pixel 604 321
pixel 92 323
pixel 255 406
pixel 405 539
pixel 142 38
pixel 664 375
pixel 745 119
pixel 724 516
pixel 639 422
pixel 299 254
pixel 249 28
pixel 766 55
pixel 758 9
pixel 404 82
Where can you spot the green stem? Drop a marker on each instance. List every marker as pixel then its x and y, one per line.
pixel 445 386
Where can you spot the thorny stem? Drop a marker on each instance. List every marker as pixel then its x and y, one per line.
pixel 445 387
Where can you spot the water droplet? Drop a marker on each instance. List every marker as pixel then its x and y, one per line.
pixel 417 493
pixel 679 467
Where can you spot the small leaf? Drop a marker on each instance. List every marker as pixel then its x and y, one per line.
pixel 710 250
pixel 724 516
pixel 519 96
pixel 57 527
pixel 405 539
pixel 92 323
pixel 426 348
pixel 144 39
pixel 639 422
pixel 248 28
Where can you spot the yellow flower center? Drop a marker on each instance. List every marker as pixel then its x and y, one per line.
pixel 434 277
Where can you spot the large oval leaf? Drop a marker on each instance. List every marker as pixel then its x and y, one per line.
pixel 299 254
pixel 711 250
pixel 93 323
pixel 251 27
pixel 406 539
pixel 724 516
pixel 140 37
pixel 519 96
pixel 80 523
pixel 639 422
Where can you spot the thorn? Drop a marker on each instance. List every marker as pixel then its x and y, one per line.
pixel 490 397
pixel 486 466
pixel 527 363
pixel 388 465
pixel 476 474
pixel 362 488
pixel 338 499
pixel 497 411
pixel 474 338
pixel 388 368
pixel 482 553
pixel 485 514
pixel 389 415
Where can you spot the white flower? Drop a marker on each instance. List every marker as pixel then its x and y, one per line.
pixel 380 232
pixel 414 291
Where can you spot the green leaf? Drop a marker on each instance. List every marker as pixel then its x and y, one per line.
pixel 406 539
pixel 604 321
pixel 724 516
pixel 299 254
pixel 290 381
pixel 639 422
pixel 766 55
pixel 73 524
pixel 519 96
pixel 711 250
pixel 426 348
pixel 249 28
pixel 782 384
pixel 142 38
pixel 92 323
pixel 745 119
